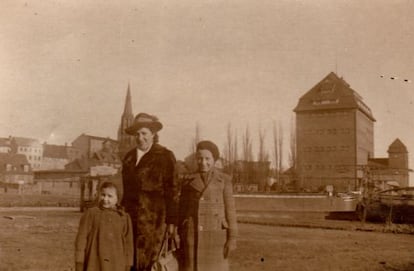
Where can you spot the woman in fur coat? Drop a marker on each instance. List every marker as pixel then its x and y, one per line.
pixel 150 191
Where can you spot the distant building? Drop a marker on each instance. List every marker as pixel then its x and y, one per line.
pixel 29 147
pixel 126 141
pixel 88 145
pixel 54 157
pixel 391 171
pixel 104 160
pixel 5 145
pixel 334 134
pixel 15 169
pixel 72 153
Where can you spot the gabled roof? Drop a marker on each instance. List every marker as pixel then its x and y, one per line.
pixel 24 141
pixel 16 160
pixel 397 147
pixel 332 93
pixel 54 151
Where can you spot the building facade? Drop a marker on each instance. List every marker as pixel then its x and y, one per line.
pixel 54 157
pixel 15 169
pixel 5 145
pixel 391 171
pixel 29 147
pixel 334 134
pixel 87 145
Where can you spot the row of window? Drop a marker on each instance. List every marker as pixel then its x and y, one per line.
pixel 10 167
pixel 330 131
pixel 35 158
pixel 336 168
pixel 326 101
pixel 24 149
pixel 327 148
pixel 325 114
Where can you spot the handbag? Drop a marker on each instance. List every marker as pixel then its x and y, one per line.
pixel 167 259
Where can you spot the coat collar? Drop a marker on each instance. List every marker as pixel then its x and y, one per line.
pixel 131 156
pixel 197 183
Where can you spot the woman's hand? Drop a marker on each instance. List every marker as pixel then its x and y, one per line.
pixel 229 247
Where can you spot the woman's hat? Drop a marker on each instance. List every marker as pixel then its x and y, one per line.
pixel 144 120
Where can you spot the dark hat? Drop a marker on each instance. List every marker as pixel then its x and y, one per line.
pixel 144 120
pixel 210 146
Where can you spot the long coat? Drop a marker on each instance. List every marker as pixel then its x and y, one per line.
pixel 104 240
pixel 207 220
pixel 150 196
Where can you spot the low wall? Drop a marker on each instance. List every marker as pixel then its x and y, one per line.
pixel 300 203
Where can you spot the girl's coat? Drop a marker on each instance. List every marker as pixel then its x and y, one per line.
pixel 104 241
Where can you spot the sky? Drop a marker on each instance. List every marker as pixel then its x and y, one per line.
pixel 65 65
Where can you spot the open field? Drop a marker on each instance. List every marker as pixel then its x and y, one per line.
pixel 15 200
pixel 43 239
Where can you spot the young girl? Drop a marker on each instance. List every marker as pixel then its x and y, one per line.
pixel 104 241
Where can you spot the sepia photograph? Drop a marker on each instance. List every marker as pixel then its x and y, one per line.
pixel 208 135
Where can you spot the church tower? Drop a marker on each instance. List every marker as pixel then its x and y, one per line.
pixel 126 142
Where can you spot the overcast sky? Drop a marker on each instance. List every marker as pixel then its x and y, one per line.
pixel 65 65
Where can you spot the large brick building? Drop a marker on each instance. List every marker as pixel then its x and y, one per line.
pixel 334 135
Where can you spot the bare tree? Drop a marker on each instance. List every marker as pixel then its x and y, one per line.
pixel 278 147
pixel 292 151
pixel 247 145
pixel 235 148
pixel 230 146
pixel 196 138
pixel 262 156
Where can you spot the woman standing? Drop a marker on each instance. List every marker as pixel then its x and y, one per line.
pixel 150 191
pixel 207 223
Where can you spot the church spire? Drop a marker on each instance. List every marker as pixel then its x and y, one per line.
pixel 128 105
pixel 125 141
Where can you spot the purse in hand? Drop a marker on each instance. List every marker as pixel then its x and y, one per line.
pixel 167 259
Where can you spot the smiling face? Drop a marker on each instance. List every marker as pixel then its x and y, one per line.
pixel 205 160
pixel 109 197
pixel 144 138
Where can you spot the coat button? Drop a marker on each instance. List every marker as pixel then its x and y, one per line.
pixel 200 228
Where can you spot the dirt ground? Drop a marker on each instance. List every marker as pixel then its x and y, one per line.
pixel 43 239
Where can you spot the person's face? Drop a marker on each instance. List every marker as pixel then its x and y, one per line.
pixel 109 198
pixel 144 138
pixel 205 160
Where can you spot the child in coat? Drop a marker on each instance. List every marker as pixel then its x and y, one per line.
pixel 104 241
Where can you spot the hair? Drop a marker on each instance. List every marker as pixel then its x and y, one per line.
pixel 112 185
pixel 156 137
pixel 210 146
pixel 109 185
